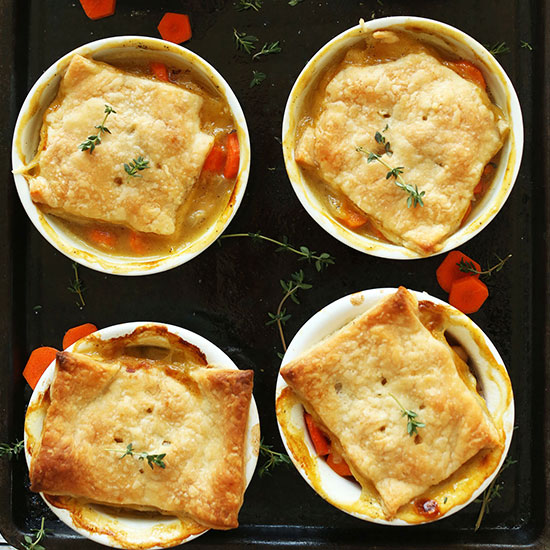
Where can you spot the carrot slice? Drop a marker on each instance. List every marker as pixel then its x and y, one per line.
pixel 97 9
pixel 215 161
pixel 478 189
pixel 138 243
pixel 159 70
pixel 233 156
pixel 448 272
pixel 318 438
pixel 76 333
pixel 340 467
pixel 467 213
pixel 468 294
pixel 470 72
pixel 38 362
pixel 351 217
pixel 175 27
pixel 102 237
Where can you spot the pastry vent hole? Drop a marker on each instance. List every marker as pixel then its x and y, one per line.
pixel 118 439
pixel 424 117
pixel 149 409
pixel 383 381
pixel 338 387
pixel 422 406
pixel 118 180
pixel 382 429
pixel 141 471
pixel 417 439
pixel 167 442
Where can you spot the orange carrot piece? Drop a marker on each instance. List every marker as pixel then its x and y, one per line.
pixel 469 71
pixel 233 156
pixel 138 243
pixel 341 467
pixel 478 189
pixel 351 217
pixel 38 362
pixel 175 27
pixel 215 161
pixel 448 272
pixel 468 294
pixel 159 70
pixel 97 9
pixel 318 438
pixel 76 333
pixel 102 237
pixel 467 213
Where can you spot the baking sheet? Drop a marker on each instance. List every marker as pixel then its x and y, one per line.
pixel 226 293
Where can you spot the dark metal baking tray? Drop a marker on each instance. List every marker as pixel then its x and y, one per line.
pixel 226 292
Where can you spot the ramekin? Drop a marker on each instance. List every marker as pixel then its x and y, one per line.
pixel 119 531
pixel 343 493
pixel 26 139
pixel 457 43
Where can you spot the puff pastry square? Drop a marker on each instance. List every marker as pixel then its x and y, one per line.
pixel 197 416
pixel 347 382
pixel 443 131
pixel 156 120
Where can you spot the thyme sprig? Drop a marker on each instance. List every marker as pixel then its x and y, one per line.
pixel 152 460
pixel 497 48
pixel 136 165
pixel 290 288
pixel 257 78
pixel 415 196
pixel 492 492
pixel 77 287
pixel 11 451
pixel 267 49
pixel 412 423
pixel 469 267
pixel 244 41
pixel 249 4
pixel 273 459
pixel 525 45
pixel 294 2
pixel 320 260
pixel 38 534
pixel 93 141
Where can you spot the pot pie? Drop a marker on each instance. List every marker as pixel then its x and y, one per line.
pixel 398 140
pixel 132 429
pixel 122 152
pixel 357 384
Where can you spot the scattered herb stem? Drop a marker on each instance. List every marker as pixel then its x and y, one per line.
pixel 492 492
pixel 77 287
pixel 497 48
pixel 257 78
pixel 415 196
pixel 93 141
pixel 244 41
pixel 273 459
pixel 249 4
pixel 412 422
pixel 152 460
pixel 525 45
pixel 267 49
pixel 321 260
pixel 30 544
pixel 11 451
pixel 469 267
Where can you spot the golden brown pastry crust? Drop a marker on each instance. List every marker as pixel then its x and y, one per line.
pixel 197 416
pixel 443 131
pixel 347 382
pixel 156 120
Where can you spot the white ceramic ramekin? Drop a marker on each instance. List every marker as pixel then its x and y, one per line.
pixel 448 39
pixel 26 139
pixel 344 493
pixel 117 530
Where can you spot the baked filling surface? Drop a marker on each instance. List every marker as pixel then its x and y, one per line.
pixel 350 381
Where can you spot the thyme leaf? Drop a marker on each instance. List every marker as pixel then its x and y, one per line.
pixel 11 451
pixel 412 422
pixel 469 267
pixel 525 45
pixel 152 460
pixel 137 164
pixel 294 2
pixel 38 534
pixel 415 196
pixel 273 459
pixel 249 4
pixel 257 78
pixel 77 287
pixel 320 260
pixel 93 141
pixel 497 48
pixel 244 41
pixel 267 49
pixel 492 492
